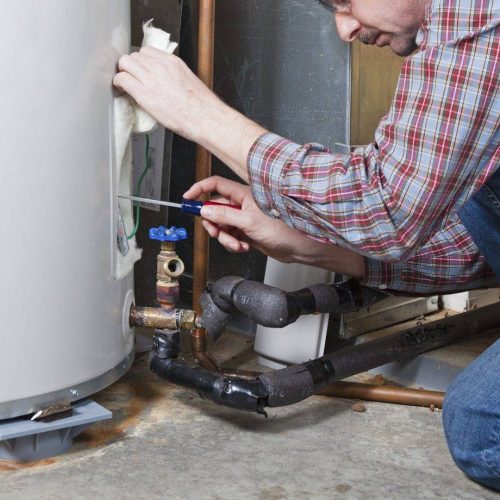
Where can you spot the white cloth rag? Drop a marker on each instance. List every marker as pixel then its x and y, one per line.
pixel 130 118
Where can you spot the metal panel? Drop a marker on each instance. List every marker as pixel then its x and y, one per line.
pixel 386 313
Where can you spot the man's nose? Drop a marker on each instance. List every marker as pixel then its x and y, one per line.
pixel 347 26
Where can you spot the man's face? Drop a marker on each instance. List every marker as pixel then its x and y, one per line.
pixel 381 22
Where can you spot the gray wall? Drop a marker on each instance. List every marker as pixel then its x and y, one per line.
pixel 281 63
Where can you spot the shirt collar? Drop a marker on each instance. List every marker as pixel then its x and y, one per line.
pixel 450 20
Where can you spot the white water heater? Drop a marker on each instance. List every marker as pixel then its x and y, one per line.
pixel 64 330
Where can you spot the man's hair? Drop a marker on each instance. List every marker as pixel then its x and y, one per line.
pixel 333 4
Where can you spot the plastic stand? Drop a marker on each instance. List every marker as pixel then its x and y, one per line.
pixel 22 439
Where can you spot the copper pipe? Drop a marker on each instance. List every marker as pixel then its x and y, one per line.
pixel 199 350
pixel 206 34
pixel 385 394
pixel 241 373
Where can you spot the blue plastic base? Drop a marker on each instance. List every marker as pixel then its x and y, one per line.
pixel 23 440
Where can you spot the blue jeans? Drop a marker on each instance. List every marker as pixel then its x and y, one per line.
pixel 471 412
pixel 481 216
pixel 471 417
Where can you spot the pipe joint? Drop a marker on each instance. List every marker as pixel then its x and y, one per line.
pixel 240 394
pixel 163 319
pixel 274 308
pixel 167 343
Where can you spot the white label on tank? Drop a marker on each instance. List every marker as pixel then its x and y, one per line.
pixel 152 181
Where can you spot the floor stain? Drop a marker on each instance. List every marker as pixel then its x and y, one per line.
pixel 8 466
pixel 342 488
pixel 128 400
pixel 274 493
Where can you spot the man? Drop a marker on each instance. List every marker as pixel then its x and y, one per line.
pixel 417 210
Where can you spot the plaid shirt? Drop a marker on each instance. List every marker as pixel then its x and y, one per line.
pixel 395 200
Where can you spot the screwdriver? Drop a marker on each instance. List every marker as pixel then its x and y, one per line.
pixel 187 206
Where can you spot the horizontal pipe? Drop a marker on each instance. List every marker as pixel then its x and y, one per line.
pixel 298 382
pixel 385 394
pixel 238 393
pixel 245 374
pixel 162 319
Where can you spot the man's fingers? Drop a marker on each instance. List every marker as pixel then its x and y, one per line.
pixel 140 59
pixel 227 240
pixel 205 186
pixel 127 83
pixel 231 190
pixel 227 216
pixel 210 228
pixel 230 242
pixel 133 66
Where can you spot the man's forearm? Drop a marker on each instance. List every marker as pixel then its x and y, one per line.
pixel 330 257
pixel 228 135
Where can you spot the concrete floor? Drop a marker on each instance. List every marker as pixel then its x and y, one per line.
pixel 167 443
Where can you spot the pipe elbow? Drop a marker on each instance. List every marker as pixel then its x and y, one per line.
pixel 222 291
pixel 240 394
pixel 264 304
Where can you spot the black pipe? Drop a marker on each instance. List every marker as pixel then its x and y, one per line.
pixel 241 394
pixel 269 306
pixel 298 382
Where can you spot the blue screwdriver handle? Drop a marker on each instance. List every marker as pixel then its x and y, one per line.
pixel 194 207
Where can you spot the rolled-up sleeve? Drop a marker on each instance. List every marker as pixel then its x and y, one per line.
pixel 436 147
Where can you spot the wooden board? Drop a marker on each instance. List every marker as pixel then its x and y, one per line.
pixel 375 73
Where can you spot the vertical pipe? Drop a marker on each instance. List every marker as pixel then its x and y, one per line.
pixel 203 157
pixel 206 34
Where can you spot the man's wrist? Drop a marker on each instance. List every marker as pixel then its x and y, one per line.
pixel 331 257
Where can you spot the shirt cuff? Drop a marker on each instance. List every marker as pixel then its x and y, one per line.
pixel 271 163
pixel 267 161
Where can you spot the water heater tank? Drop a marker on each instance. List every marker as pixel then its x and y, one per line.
pixel 64 330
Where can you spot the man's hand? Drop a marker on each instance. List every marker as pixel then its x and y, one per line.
pixel 237 230
pixel 168 90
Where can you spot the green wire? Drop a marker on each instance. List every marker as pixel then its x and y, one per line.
pixel 138 190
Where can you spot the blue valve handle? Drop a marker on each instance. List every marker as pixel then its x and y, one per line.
pixel 172 234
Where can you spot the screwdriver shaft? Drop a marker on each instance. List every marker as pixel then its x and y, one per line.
pixel 152 202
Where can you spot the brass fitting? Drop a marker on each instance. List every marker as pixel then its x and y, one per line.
pixel 169 268
pixel 163 319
